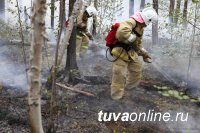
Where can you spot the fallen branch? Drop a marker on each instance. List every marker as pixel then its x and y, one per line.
pixel 75 90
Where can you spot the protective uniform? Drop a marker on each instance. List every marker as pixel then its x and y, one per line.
pixel 127 69
pixel 83 35
pixel 82 38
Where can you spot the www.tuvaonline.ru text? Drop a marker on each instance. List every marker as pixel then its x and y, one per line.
pixel 151 115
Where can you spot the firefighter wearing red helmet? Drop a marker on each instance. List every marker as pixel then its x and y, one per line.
pixel 127 69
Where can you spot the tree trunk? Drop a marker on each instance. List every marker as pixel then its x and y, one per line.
pixel 155 26
pixel 131 7
pixel 185 13
pixel 62 11
pixel 31 3
pixel 171 11
pixel 71 65
pixel 65 42
pixel 21 33
pixel 71 50
pixel 192 43
pixel 52 13
pixel 37 40
pixel 184 21
pixel 2 9
pixel 94 30
pixel 177 12
pixel 71 5
pixel 51 128
pixel 142 4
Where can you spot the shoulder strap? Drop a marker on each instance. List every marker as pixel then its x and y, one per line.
pixel 137 34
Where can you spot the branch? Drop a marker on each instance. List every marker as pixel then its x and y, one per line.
pixel 75 90
pixel 193 25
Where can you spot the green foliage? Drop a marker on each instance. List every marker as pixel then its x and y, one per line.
pixel 195 1
pixel 170 92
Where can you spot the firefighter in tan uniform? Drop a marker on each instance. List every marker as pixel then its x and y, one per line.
pixel 83 36
pixel 127 69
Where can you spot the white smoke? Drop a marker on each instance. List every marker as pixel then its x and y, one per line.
pixel 12 74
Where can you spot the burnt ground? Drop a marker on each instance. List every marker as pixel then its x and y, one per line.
pixel 78 113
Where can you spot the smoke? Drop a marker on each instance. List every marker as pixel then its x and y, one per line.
pixel 12 73
pixel 174 68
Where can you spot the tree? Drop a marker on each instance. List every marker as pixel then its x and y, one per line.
pixel 177 11
pixel 142 4
pixel 155 26
pixel 193 38
pixel 185 13
pixel 37 40
pixel 171 10
pixel 94 30
pixel 52 12
pixel 51 128
pixel 71 64
pixel 131 7
pixel 62 17
pixel 2 8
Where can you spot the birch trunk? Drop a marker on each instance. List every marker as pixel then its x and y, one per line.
pixel 37 39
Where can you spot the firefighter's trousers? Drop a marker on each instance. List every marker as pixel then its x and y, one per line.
pixel 82 43
pixel 125 75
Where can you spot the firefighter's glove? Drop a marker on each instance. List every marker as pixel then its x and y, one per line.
pixel 91 38
pixel 145 55
pixel 147 58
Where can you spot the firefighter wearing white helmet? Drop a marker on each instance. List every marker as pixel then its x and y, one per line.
pixel 149 15
pixel 83 35
pixel 91 11
pixel 127 69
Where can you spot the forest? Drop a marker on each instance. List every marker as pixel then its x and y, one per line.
pixel 60 72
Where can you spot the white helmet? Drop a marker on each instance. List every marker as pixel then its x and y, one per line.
pixel 149 15
pixel 91 11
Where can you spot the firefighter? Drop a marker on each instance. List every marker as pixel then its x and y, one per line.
pixel 83 36
pixel 127 69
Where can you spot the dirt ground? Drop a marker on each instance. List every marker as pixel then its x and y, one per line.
pixel 77 113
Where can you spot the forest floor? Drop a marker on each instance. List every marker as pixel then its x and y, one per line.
pixel 78 113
